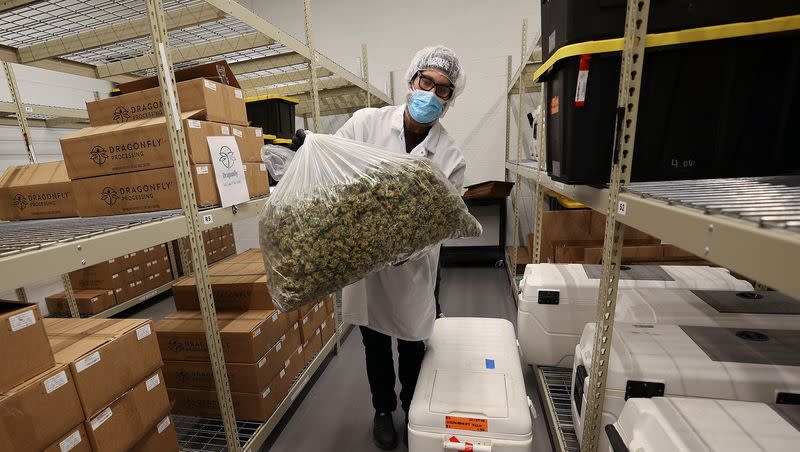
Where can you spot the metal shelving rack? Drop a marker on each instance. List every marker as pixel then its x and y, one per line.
pixel 749 225
pixel 123 40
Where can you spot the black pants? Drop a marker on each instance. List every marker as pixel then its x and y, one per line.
pixel 380 369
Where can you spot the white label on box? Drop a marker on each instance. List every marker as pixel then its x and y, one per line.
pixel 259 132
pixel 265 393
pixel 283 373
pixel 110 292
pixel 225 130
pixel 228 170
pixel 130 270
pixel 262 167
pixel 202 169
pixel 101 418
pixel 142 332
pixel 275 317
pixel 56 381
pixel 324 325
pixel 136 268
pixel 70 442
pixel 152 382
pixel 208 219
pixel 163 425
pixel 237 132
pixel 622 208
pixel 287 363
pixel 238 94
pixel 87 362
pixel 257 332
pixel 22 320
pixel 210 85
pixel 296 326
pixel 115 276
pixel 299 349
pixel 194 124
pixel 279 346
pixel 261 362
pixel 305 320
pixel 580 90
pixel 94 300
pixel 316 308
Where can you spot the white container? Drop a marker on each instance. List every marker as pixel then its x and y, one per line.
pixel 671 360
pixel 548 332
pixel 674 424
pixel 470 390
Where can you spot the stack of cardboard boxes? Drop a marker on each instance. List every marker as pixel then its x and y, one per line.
pixel 263 348
pixel 576 236
pixel 115 281
pixel 83 385
pixel 219 243
pixel 123 163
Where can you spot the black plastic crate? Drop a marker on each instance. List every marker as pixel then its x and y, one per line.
pixel 572 21
pixel 274 114
pixel 725 108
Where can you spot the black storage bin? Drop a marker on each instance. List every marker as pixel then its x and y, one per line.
pixel 572 21
pixel 274 114
pixel 726 108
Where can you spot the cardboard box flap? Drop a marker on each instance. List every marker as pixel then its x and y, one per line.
pixel 68 349
pixel 225 279
pixel 35 174
pixel 100 130
pixel 237 268
pixel 196 325
pixel 92 327
pixel 218 71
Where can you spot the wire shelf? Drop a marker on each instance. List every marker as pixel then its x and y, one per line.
pixel 556 382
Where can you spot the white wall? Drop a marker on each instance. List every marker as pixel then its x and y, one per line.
pixel 482 33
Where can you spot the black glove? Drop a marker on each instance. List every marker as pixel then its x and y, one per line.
pixel 298 139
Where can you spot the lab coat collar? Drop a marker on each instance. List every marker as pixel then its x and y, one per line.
pixel 430 141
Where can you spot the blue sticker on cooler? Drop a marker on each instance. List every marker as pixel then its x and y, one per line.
pixel 489 363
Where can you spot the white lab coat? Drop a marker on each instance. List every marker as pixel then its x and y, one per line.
pixel 398 301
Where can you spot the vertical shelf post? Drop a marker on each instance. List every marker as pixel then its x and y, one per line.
pixel 518 179
pixel 169 97
pixel 536 252
pixel 365 72
pixel 312 64
pixel 624 139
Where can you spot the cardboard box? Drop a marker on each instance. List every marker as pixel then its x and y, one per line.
pixel 37 412
pixel 134 258
pixel 257 179
pixel 74 441
pixel 246 406
pixel 221 103
pixel 312 346
pixel 162 437
pixel 36 191
pixel 218 71
pixel 312 320
pixel 106 357
pixel 24 350
pixel 243 377
pixel 142 191
pixel 249 140
pixel 246 337
pixel 249 256
pixel 327 328
pixel 135 146
pixel 293 365
pixel 120 425
pixel 230 268
pixel 133 274
pixel 98 276
pixel 89 301
pixel 330 304
pixel 238 293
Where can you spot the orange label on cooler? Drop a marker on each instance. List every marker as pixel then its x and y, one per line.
pixel 554 105
pixel 466 423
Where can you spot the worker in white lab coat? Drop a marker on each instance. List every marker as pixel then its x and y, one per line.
pixel 399 301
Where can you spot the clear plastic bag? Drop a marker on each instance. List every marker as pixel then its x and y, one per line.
pixel 277 158
pixel 346 209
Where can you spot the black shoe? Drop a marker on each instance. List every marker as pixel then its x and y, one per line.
pixel 405 432
pixel 383 433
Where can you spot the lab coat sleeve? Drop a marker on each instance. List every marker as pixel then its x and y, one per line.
pixel 457 176
pixel 349 128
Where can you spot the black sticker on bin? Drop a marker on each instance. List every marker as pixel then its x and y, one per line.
pixel 733 302
pixel 743 345
pixel 633 272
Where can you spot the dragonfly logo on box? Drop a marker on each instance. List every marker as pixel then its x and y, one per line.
pixel 20 202
pixel 98 155
pixel 109 196
pixel 226 156
pixel 121 114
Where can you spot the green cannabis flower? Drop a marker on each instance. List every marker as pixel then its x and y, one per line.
pixel 320 243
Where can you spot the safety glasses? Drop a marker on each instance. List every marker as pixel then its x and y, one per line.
pixel 427 84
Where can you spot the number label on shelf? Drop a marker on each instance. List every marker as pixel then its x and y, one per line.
pixel 622 208
pixel 208 219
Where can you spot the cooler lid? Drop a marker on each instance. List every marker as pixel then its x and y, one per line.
pixel 469 393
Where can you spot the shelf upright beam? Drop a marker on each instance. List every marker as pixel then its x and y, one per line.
pixel 624 139
pixel 186 256
pixel 511 266
pixel 173 264
pixel 180 155
pixel 365 71
pixel 312 61
pixel 536 252
pixel 73 306
pixel 22 119
pixel 518 179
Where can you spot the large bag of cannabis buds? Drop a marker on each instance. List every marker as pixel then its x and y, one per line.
pixel 345 209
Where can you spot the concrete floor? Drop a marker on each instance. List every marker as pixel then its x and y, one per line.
pixel 335 412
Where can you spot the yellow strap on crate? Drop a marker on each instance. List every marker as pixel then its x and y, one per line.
pixel 293 100
pixel 714 32
pixel 282 141
pixel 269 137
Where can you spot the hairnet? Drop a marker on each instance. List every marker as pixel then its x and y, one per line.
pixel 441 59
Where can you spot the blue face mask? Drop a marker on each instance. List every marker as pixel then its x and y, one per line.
pixel 425 107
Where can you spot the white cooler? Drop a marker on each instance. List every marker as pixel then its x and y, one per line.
pixel 674 424
pixel 557 300
pixel 759 365
pixel 470 393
